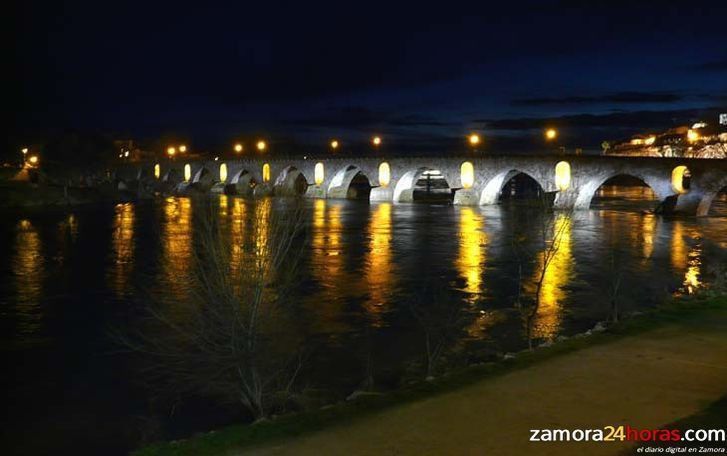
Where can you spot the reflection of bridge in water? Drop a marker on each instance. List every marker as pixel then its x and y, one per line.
pixel 691 183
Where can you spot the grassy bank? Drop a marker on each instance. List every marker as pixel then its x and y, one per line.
pixel 684 311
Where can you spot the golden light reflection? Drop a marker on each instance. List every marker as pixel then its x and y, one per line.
pixel 122 244
pixel 467 174
pixel 176 242
pixel 557 275
pixel 685 256
pixel 471 258
pixel 28 267
pixel 379 276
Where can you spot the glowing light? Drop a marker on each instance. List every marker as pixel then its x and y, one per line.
pixel 550 133
pixel 24 150
pixel 223 172
pixel 238 148
pixel 692 135
pixel 562 175
pixel 474 139
pixel 677 178
pixel 33 160
pixel 637 142
pixel 384 174
pixel 157 171
pixel 470 261
pixel 171 151
pixel 376 140
pixel 334 144
pixel 126 154
pixel 318 174
pixel 183 148
pixel 650 140
pixel 261 145
pixel 467 174
pixel 187 172
pixel 266 172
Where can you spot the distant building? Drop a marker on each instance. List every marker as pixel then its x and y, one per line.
pixel 701 140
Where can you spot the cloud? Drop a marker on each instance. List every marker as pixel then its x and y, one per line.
pixel 362 117
pixel 711 66
pixel 617 97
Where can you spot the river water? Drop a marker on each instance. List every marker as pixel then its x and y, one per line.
pixel 67 278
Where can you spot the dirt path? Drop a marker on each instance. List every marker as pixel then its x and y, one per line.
pixel 646 381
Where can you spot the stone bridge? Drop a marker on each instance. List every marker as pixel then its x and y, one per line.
pixel 573 180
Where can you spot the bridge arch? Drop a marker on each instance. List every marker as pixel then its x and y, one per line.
pixel 203 176
pixel 290 182
pixel 241 182
pixel 492 191
pixel 661 188
pixel 350 182
pixel 173 176
pixel 705 204
pixel 422 183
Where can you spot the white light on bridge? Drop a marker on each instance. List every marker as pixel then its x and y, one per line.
pixel 261 145
pixel 187 172
pixel 474 139
pixel 334 144
pixel 157 171
pixel 319 174
pixel 562 175
pixel 223 172
pixel 550 133
pixel 467 174
pixel 266 172
pixel 238 148
pixel 171 151
pixel 183 148
pixel 384 174
pixel 376 140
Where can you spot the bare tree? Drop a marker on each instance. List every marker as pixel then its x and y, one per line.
pixel 615 275
pixel 225 342
pixel 440 318
pixel 551 228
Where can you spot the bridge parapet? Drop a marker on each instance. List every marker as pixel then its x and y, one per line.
pixel 473 180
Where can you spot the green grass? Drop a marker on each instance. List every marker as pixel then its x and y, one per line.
pixel 686 311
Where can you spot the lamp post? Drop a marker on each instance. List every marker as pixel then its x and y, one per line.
pixel 171 151
pixel 238 148
pixel 334 145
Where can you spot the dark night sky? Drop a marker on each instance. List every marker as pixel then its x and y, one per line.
pixel 422 76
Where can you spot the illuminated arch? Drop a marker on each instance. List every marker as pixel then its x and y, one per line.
pixel 187 172
pixel 223 172
pixel 406 186
pixel 562 175
pixel 493 189
pixel 319 174
pixel 384 174
pixel 467 174
pixel 157 171
pixel 266 172
pixel 351 183
pixel 678 176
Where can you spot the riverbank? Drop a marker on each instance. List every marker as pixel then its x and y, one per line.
pixel 24 195
pixel 646 372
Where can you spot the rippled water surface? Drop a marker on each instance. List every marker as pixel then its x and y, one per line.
pixel 66 278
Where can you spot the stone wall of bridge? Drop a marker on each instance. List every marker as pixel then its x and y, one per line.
pixel 331 177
